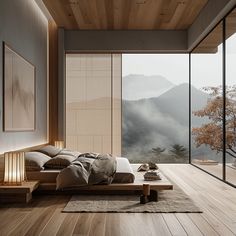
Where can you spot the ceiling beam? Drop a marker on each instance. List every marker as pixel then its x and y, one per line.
pixel 208 18
pixel 126 41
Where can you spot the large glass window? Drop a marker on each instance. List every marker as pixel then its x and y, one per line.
pixel 155 107
pixel 207 103
pixel 231 98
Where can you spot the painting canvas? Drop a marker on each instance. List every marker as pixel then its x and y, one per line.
pixel 19 92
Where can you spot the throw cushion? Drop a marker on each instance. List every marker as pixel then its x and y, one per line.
pixel 49 150
pixel 34 161
pixel 59 162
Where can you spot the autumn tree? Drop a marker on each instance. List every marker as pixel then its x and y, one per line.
pixel 178 151
pixel 211 133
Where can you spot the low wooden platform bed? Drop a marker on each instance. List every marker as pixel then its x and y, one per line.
pixel 137 185
pixel 125 179
pixel 47 177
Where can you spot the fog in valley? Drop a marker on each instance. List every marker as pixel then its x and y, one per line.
pixel 155 108
pixel 162 121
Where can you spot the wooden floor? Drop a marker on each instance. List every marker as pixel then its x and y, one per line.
pixel 230 171
pixel 217 200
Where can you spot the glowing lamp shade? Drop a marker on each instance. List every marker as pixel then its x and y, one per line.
pixel 14 168
pixel 59 144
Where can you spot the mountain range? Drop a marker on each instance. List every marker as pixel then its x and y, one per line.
pixel 160 121
pixel 141 86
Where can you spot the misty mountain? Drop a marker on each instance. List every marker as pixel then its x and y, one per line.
pixel 137 86
pixel 160 121
pixel 175 103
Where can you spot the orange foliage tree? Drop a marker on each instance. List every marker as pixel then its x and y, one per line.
pixel 210 133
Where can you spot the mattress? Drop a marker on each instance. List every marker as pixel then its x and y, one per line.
pixel 124 173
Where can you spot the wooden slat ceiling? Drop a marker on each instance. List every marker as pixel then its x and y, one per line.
pixel 211 42
pixel 215 38
pixel 124 14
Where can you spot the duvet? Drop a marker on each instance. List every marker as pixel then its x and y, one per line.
pixel 88 169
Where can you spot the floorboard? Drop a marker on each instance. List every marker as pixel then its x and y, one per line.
pixel 43 215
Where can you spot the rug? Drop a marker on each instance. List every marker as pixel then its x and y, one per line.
pixel 170 201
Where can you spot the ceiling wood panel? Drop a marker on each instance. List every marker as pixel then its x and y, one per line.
pixel 211 42
pixel 118 5
pixel 215 38
pixel 124 14
pixel 231 24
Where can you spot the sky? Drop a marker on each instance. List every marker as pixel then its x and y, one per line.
pixel 206 68
pixel 167 65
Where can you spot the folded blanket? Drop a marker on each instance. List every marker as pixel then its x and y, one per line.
pixel 88 169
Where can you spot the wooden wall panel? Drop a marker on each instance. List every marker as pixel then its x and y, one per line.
pixel 53 81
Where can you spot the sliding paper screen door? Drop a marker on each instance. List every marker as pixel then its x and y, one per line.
pixel 93 103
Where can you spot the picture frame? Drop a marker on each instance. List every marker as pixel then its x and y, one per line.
pixel 19 106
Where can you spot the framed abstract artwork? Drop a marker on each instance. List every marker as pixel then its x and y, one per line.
pixel 19 92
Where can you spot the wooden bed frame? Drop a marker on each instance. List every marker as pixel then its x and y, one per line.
pixel 115 188
pixel 136 187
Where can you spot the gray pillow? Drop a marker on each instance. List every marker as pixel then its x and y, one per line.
pixel 69 152
pixel 59 162
pixel 49 150
pixel 34 161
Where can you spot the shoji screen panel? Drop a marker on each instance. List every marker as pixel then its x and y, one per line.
pixel 90 103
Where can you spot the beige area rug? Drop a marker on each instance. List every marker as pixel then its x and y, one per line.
pixel 170 201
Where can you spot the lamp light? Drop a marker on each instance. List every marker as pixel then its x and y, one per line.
pixel 14 168
pixel 59 144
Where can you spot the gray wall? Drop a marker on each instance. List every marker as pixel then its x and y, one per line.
pixel 24 28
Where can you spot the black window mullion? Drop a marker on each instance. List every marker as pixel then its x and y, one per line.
pixel 190 111
pixel 224 98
